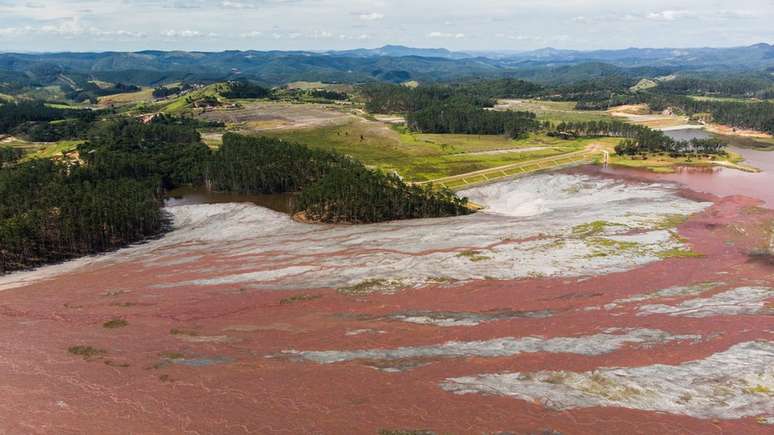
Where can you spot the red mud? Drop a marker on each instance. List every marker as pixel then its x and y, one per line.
pixel 46 389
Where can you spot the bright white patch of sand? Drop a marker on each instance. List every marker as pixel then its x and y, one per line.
pixel 736 302
pixel 598 344
pixel 732 384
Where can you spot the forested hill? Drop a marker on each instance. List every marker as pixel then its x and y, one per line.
pixel 391 63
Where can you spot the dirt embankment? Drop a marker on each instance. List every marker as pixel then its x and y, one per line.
pixel 733 131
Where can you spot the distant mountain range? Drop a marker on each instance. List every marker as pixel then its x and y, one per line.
pixel 390 63
pixel 752 56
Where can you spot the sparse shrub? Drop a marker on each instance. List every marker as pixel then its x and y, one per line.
pixel 115 323
pixel 87 352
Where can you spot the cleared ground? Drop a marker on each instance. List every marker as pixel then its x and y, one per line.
pixel 261 116
pixel 143 96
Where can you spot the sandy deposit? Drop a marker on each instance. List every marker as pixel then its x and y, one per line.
pixel 731 384
pixel 528 230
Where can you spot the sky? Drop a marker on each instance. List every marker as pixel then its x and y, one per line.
pixel 472 25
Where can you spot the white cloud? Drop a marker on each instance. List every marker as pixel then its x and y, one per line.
pixel 457 24
pixel 670 15
pixel 181 33
pixel 445 35
pixel 253 34
pixel 373 16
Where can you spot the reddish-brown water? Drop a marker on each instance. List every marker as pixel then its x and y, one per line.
pixel 214 359
pixel 719 181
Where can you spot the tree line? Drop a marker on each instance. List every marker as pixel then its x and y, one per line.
pixel 466 119
pixel 333 188
pixel 748 115
pixel 16 114
pixel 639 139
pixel 52 211
pixel 113 196
pixel 675 148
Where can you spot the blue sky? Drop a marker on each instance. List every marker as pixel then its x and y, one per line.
pixel 97 25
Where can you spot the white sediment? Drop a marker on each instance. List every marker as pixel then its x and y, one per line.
pixel 526 231
pixel 732 384
pixel 597 344
pixel 739 301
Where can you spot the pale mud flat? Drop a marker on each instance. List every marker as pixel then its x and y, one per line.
pixel 601 343
pixel 529 229
pixel 731 384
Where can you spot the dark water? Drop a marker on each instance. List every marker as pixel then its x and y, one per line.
pixel 281 202
pixel 687 134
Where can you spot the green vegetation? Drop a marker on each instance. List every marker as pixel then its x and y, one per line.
pixel 56 210
pixel 247 90
pixel 9 155
pixel 87 352
pixel 474 256
pixel 37 121
pixel 371 286
pixel 467 119
pixel 56 149
pixel 298 298
pixel 53 211
pixel 115 323
pixel 554 111
pixel 678 253
pixel 359 195
pixel 591 228
pixel 421 157
pixel 749 115
pixel 334 188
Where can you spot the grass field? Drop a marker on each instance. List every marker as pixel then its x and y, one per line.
pixel 54 149
pixel 422 157
pixel 143 96
pixel 42 149
pixel 666 164
pixel 554 111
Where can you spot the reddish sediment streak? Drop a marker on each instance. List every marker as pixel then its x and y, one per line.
pixel 213 357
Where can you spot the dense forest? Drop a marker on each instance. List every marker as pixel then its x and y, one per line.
pixel 720 85
pixel 359 195
pixel 9 155
pixel 113 195
pixel 91 92
pixel 334 188
pixel 749 115
pixel 51 211
pixel 466 119
pixel 390 98
pixel 265 165
pixel 167 91
pixel 244 89
pixel 675 148
pixel 639 139
pixel 167 148
pixel 16 114
pixel 458 108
